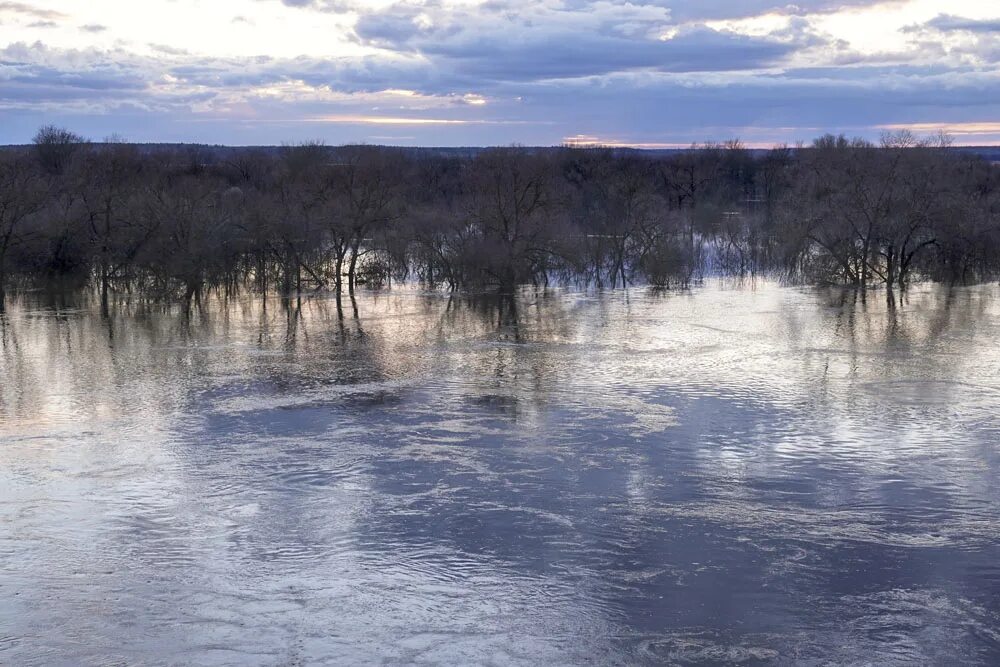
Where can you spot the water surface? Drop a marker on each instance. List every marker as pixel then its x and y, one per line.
pixel 736 474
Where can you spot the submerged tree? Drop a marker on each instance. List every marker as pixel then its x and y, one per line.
pixel 23 195
pixel 178 221
pixel 513 204
pixel 867 213
pixel 110 177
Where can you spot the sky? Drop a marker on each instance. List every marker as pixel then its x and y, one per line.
pixel 646 73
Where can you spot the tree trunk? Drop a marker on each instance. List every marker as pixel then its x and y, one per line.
pixel 104 287
pixel 189 293
pixel 891 267
pixel 338 276
pixel 865 257
pixel 352 268
pixel 262 268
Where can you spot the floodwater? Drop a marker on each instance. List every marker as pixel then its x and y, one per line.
pixel 746 474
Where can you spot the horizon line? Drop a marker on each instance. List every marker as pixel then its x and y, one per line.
pixel 641 146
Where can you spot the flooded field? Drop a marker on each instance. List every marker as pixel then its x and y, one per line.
pixel 746 474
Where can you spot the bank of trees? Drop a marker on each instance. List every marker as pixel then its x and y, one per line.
pixel 865 213
pixel 177 221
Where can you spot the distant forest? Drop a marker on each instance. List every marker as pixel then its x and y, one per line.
pixel 178 221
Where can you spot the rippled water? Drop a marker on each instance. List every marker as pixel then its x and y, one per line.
pixel 753 475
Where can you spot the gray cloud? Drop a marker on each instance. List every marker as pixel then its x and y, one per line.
pixel 498 43
pixel 947 23
pixel 29 10
pixel 547 69
pixel 654 105
pixel 338 6
pixel 978 40
pixel 563 55
pixel 166 49
pixel 678 10
pixel 682 10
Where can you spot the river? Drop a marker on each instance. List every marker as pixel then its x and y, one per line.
pixel 755 474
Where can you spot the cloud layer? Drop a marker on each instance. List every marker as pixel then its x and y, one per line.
pixel 645 72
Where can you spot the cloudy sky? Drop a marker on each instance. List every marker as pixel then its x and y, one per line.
pixel 482 72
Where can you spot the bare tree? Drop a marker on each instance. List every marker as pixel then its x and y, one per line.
pixel 55 147
pixel 22 195
pixel 179 221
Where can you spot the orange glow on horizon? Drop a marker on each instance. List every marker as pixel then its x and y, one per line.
pixel 588 141
pixel 958 129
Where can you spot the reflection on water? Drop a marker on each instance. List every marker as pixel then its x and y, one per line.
pixel 755 475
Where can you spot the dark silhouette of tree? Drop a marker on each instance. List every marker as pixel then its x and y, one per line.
pixel 176 221
pixel 55 147
pixel 22 195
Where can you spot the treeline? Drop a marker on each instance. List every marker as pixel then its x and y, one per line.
pixel 178 222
